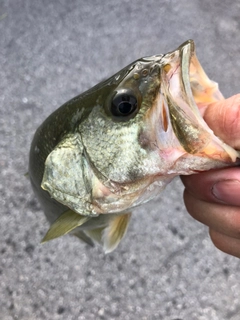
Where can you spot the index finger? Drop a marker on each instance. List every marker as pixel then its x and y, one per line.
pixel 223 117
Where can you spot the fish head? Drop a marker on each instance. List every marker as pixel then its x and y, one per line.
pixel 150 128
pixel 145 127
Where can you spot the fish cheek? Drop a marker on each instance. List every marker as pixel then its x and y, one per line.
pixel 144 141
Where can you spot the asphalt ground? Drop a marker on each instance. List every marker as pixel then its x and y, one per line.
pixel 166 267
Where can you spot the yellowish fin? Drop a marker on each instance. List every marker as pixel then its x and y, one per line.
pixel 26 175
pixel 81 235
pixel 96 234
pixel 68 221
pixel 115 231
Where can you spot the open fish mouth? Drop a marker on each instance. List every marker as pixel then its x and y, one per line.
pixel 185 93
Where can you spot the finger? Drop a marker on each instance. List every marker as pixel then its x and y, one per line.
pixel 223 117
pixel 221 218
pixel 220 186
pixel 224 243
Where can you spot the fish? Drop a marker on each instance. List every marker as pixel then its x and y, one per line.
pixel 117 145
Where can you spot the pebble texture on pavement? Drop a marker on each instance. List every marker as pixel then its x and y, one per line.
pixel 166 267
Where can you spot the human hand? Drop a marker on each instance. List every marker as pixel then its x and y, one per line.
pixel 213 197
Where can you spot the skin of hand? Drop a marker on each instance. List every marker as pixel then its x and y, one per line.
pixel 213 197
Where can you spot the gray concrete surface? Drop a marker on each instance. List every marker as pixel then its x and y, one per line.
pixel 166 267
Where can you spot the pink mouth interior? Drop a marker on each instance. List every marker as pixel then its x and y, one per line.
pixel 187 86
pixel 204 90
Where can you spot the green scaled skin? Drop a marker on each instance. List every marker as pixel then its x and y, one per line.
pixel 117 145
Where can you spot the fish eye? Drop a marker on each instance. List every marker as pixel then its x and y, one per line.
pixel 124 104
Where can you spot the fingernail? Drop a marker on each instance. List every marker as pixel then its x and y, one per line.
pixel 227 191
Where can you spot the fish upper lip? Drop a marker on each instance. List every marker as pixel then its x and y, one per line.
pixel 185 79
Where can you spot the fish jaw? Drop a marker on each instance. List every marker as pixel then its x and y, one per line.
pixel 183 139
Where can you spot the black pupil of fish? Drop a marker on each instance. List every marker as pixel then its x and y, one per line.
pixel 123 105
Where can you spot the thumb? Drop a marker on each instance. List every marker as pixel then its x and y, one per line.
pixel 223 117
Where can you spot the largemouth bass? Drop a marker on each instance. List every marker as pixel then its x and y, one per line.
pixel 117 145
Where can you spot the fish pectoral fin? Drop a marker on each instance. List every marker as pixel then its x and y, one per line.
pixel 96 234
pixel 81 235
pixel 115 231
pixel 26 175
pixel 68 221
